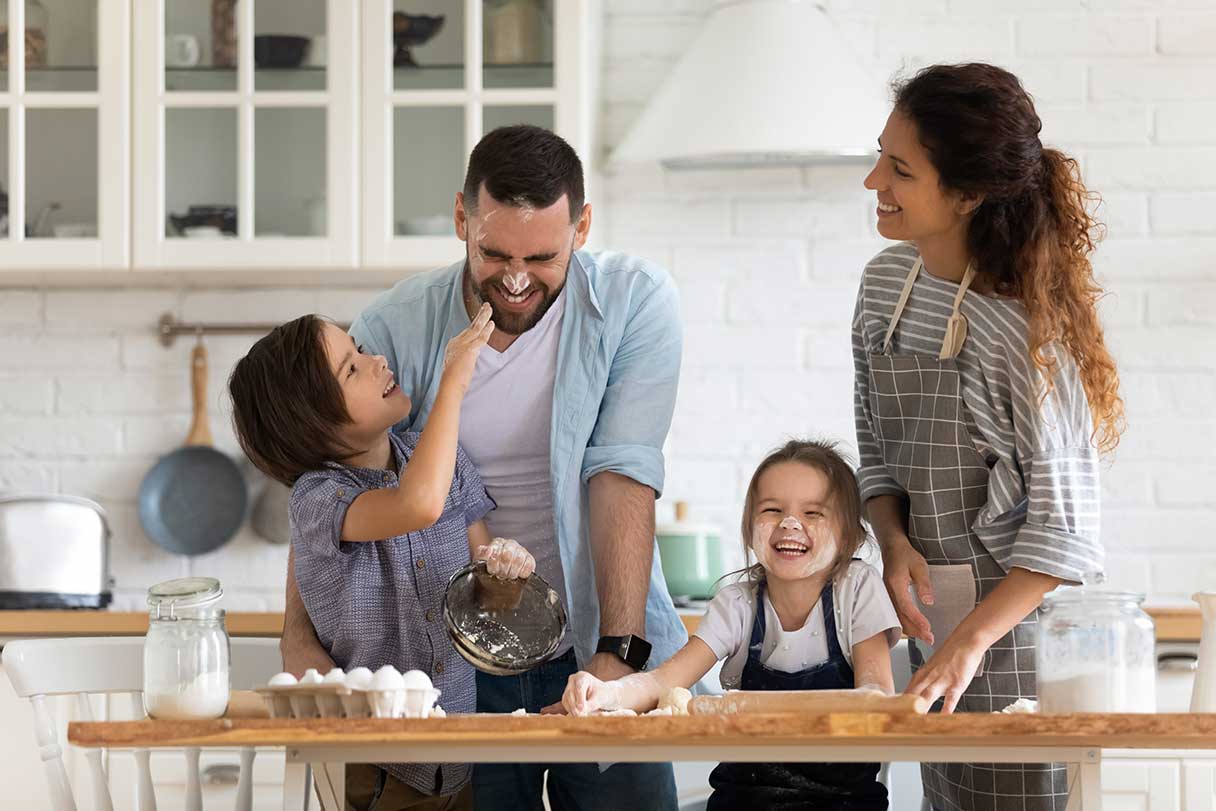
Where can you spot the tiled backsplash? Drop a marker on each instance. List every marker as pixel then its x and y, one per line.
pixel 767 262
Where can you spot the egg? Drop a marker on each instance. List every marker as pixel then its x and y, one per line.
pixel 417 680
pixel 335 676
pixel 282 680
pixel 311 676
pixel 359 679
pixel 387 678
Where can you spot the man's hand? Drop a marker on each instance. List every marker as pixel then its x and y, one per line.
pixel 605 667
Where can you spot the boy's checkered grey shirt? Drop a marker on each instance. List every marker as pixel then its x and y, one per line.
pixel 381 602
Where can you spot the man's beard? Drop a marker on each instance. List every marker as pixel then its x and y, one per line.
pixel 511 323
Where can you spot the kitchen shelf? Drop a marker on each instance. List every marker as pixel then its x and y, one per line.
pixel 56 79
pixel 309 78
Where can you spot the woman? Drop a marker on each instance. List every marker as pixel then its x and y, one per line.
pixel 984 394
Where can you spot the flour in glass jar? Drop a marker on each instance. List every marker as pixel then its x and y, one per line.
pixel 204 697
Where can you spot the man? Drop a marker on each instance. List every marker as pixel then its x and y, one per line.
pixel 565 419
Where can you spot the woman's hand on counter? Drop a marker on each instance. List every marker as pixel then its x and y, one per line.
pixel 948 672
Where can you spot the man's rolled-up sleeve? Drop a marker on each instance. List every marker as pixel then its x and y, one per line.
pixel 636 409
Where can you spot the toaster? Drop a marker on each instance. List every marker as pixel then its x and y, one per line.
pixel 54 552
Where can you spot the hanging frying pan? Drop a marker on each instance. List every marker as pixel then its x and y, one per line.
pixel 193 500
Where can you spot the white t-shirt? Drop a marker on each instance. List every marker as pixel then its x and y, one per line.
pixel 863 609
pixel 504 429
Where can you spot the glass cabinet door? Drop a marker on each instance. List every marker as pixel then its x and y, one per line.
pixel 246 110
pixel 63 126
pixel 439 74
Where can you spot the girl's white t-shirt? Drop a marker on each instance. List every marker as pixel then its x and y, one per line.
pixel 863 609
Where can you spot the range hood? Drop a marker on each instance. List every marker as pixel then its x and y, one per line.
pixel 766 82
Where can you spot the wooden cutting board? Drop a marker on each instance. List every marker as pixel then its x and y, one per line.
pixel 806 701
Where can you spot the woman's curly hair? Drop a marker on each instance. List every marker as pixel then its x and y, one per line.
pixel 1032 234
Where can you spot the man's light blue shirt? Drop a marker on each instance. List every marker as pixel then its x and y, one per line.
pixel 618 368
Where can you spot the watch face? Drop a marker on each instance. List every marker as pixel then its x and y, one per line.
pixel 635 651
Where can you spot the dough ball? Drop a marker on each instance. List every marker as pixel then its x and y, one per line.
pixel 677 699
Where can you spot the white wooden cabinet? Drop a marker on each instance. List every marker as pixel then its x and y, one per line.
pixel 279 144
pixel 483 70
pixel 1141 784
pixel 65 137
pixel 1158 780
pixel 135 113
pixel 1199 783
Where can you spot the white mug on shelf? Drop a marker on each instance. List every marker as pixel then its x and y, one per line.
pixel 316 52
pixel 182 51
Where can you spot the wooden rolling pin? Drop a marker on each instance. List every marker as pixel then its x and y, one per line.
pixel 806 701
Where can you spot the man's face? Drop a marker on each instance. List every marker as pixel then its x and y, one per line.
pixel 518 256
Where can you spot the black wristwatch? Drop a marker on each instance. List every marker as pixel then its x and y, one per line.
pixel 632 650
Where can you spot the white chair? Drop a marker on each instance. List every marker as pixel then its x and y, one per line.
pixel 43 668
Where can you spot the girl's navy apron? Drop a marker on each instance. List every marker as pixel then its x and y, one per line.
pixel 809 786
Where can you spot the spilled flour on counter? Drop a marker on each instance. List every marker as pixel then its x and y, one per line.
pixel 1023 706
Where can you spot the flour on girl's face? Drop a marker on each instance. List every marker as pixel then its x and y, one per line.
pixel 793 549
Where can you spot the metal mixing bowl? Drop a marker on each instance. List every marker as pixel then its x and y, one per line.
pixel 503 627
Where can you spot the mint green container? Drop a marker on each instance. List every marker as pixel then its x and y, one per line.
pixel 691 555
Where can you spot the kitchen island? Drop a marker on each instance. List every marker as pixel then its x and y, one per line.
pixel 327 744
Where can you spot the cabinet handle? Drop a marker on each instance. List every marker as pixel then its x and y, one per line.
pixel 222 774
pixel 1178 662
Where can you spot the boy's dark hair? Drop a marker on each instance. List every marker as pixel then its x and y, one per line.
pixel 525 165
pixel 286 402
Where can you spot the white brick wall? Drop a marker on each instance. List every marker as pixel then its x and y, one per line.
pixel 767 261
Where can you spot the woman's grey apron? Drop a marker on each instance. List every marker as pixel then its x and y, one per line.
pixel 919 423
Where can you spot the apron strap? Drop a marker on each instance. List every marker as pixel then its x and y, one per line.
pixel 899 305
pixel 956 325
pixel 757 638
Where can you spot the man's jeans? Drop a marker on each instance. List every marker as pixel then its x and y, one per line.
pixel 572 786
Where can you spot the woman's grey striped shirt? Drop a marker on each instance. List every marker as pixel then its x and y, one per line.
pixel 1042 511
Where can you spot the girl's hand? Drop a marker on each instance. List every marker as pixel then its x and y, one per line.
pixel 903 566
pixel 947 673
pixel 585 694
pixel 460 358
pixel 505 558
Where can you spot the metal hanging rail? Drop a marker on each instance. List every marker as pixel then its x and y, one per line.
pixel 169 328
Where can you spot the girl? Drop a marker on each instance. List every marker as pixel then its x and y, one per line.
pixel 984 391
pixel 379 521
pixel 805 616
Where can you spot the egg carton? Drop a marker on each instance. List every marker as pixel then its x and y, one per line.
pixel 340 701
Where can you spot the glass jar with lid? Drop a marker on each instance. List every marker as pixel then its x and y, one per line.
pixel 1096 652
pixel 186 651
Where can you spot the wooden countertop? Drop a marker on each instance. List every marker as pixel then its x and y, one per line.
pixel 1180 624
pixel 985 730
